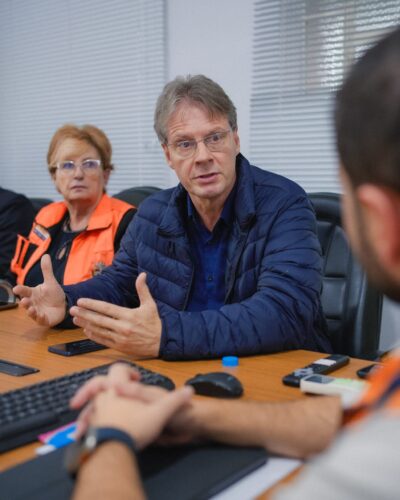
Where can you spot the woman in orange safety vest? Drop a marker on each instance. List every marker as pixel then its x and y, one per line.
pixel 82 232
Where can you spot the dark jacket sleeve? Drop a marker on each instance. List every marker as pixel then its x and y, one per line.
pixel 16 217
pixel 284 312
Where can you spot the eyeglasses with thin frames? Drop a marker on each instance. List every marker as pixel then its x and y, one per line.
pixel 68 166
pixel 213 142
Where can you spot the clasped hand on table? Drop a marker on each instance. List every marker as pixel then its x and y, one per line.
pixel 118 400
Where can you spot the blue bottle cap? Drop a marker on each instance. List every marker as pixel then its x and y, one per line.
pixel 230 361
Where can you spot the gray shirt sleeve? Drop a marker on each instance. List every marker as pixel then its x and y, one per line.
pixel 363 464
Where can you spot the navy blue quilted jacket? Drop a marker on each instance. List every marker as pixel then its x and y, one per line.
pixel 272 279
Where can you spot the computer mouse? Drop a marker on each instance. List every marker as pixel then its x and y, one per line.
pixel 216 384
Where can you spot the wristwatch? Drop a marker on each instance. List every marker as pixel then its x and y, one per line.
pixel 78 452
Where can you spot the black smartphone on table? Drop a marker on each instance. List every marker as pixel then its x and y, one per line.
pixel 4 304
pixel 7 298
pixel 76 347
pixel 321 366
pixel 15 369
pixel 367 371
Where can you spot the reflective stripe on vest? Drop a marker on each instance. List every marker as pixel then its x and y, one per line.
pixel 383 393
pixel 91 250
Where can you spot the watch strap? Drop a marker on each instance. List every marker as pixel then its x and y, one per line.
pixel 78 452
pixel 104 434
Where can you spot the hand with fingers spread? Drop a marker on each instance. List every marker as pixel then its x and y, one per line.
pixel 133 331
pixel 44 303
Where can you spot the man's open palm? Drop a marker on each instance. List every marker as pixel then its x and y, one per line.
pixel 44 303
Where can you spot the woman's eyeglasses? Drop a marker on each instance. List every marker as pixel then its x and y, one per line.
pixel 68 166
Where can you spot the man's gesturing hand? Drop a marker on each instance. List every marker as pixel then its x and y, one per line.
pixel 44 303
pixel 132 331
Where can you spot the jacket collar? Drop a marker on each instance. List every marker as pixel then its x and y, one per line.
pixel 100 218
pixel 102 215
pixel 244 208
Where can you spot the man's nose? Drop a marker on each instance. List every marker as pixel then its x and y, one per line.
pixel 202 152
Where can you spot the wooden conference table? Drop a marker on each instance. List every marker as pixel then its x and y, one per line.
pixel 23 341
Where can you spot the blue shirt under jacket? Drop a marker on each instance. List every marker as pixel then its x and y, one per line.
pixel 209 256
pixel 272 272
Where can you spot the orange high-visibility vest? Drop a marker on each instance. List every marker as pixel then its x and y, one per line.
pixel 382 394
pixel 91 250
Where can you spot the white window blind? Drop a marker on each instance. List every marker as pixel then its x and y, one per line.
pixel 301 51
pixel 80 61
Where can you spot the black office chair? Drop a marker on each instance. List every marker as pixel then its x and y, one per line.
pixel 39 203
pixel 136 195
pixel 351 306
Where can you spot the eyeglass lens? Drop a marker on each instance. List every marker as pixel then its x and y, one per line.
pixel 87 165
pixel 213 142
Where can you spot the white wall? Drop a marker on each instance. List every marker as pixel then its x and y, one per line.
pixel 214 37
pixel 80 61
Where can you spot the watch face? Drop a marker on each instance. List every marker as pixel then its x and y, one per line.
pixel 72 458
pixel 79 451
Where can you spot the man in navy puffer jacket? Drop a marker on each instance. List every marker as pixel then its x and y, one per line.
pixel 231 258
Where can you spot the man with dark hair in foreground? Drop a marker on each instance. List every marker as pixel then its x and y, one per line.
pixel 364 460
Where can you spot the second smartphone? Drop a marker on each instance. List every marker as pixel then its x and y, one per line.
pixel 366 371
pixel 76 347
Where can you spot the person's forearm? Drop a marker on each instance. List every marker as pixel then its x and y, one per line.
pixel 111 472
pixel 296 428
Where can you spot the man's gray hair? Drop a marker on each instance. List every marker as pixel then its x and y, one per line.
pixel 197 89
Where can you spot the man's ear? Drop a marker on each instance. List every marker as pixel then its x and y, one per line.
pixel 381 212
pixel 167 155
pixel 236 140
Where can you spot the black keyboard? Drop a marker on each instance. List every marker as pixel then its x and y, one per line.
pixel 27 412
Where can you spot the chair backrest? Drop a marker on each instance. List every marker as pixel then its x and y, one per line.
pixel 136 195
pixel 352 307
pixel 39 203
